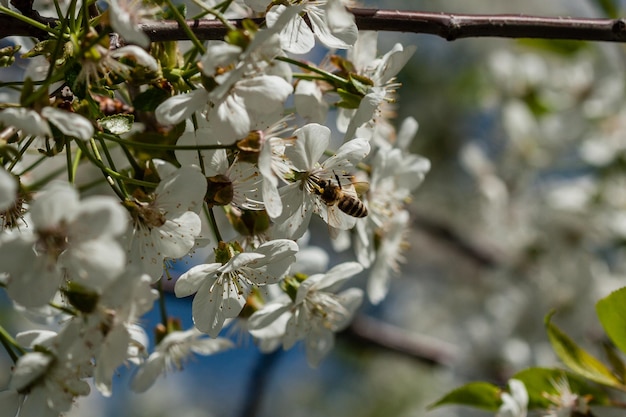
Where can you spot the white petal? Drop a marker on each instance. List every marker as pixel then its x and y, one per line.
pixel 310 102
pixel 28 121
pixel 122 23
pixel 296 37
pixel 190 281
pixel 348 155
pixel 95 261
pixel 176 237
pixel 113 352
pixel 99 216
pixel 264 93
pixel 148 372
pixel 365 112
pixel 28 368
pixel 296 329
pixel 207 308
pixel 71 124
pixel 206 346
pixel 31 272
pixel 337 275
pixel 340 40
pixel 271 199
pixel 182 191
pixel 9 400
pixel 240 260
pixel 58 202
pixel 218 55
pixel 296 215
pixel 270 320
pixel 8 190
pixel 32 338
pixel 363 54
pixel 179 107
pixel 392 62
pixel 37 403
pixel 142 57
pixel 230 119
pixel 312 140
pixel 351 299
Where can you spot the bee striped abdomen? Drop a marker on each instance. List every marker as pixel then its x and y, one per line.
pixel 352 206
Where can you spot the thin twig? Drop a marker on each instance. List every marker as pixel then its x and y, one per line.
pixel 446 25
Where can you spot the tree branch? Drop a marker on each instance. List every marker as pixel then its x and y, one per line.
pixel 445 25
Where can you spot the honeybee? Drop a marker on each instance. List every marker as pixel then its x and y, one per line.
pixel 332 194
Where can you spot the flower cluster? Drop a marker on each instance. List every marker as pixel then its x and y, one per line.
pixel 170 154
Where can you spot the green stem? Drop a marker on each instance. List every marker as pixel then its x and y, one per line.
pixel 218 15
pixel 211 216
pixel 9 344
pixel 330 77
pixel 63 309
pixel 111 163
pixel 181 21
pixel 21 152
pixel 76 162
pixel 162 147
pixel 68 158
pixel 307 76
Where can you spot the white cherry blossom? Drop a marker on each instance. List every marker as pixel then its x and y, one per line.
pixel 125 16
pixel 302 197
pixel 35 123
pixel 381 72
pixel 330 22
pixel 8 190
pixel 172 351
pixel 315 314
pixel 248 92
pixel 238 183
pixel 69 240
pixel 515 403
pixel 166 225
pixel 221 288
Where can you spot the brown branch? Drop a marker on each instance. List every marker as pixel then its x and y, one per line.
pixel 367 331
pixel 10 26
pixel 445 25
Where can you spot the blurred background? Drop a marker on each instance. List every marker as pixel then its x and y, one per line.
pixel 523 212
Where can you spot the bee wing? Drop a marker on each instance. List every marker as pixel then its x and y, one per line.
pixel 333 216
pixel 361 187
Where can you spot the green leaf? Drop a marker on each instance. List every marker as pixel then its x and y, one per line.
pixel 117 124
pixel 612 314
pixel 475 394
pixel 542 381
pixel 577 359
